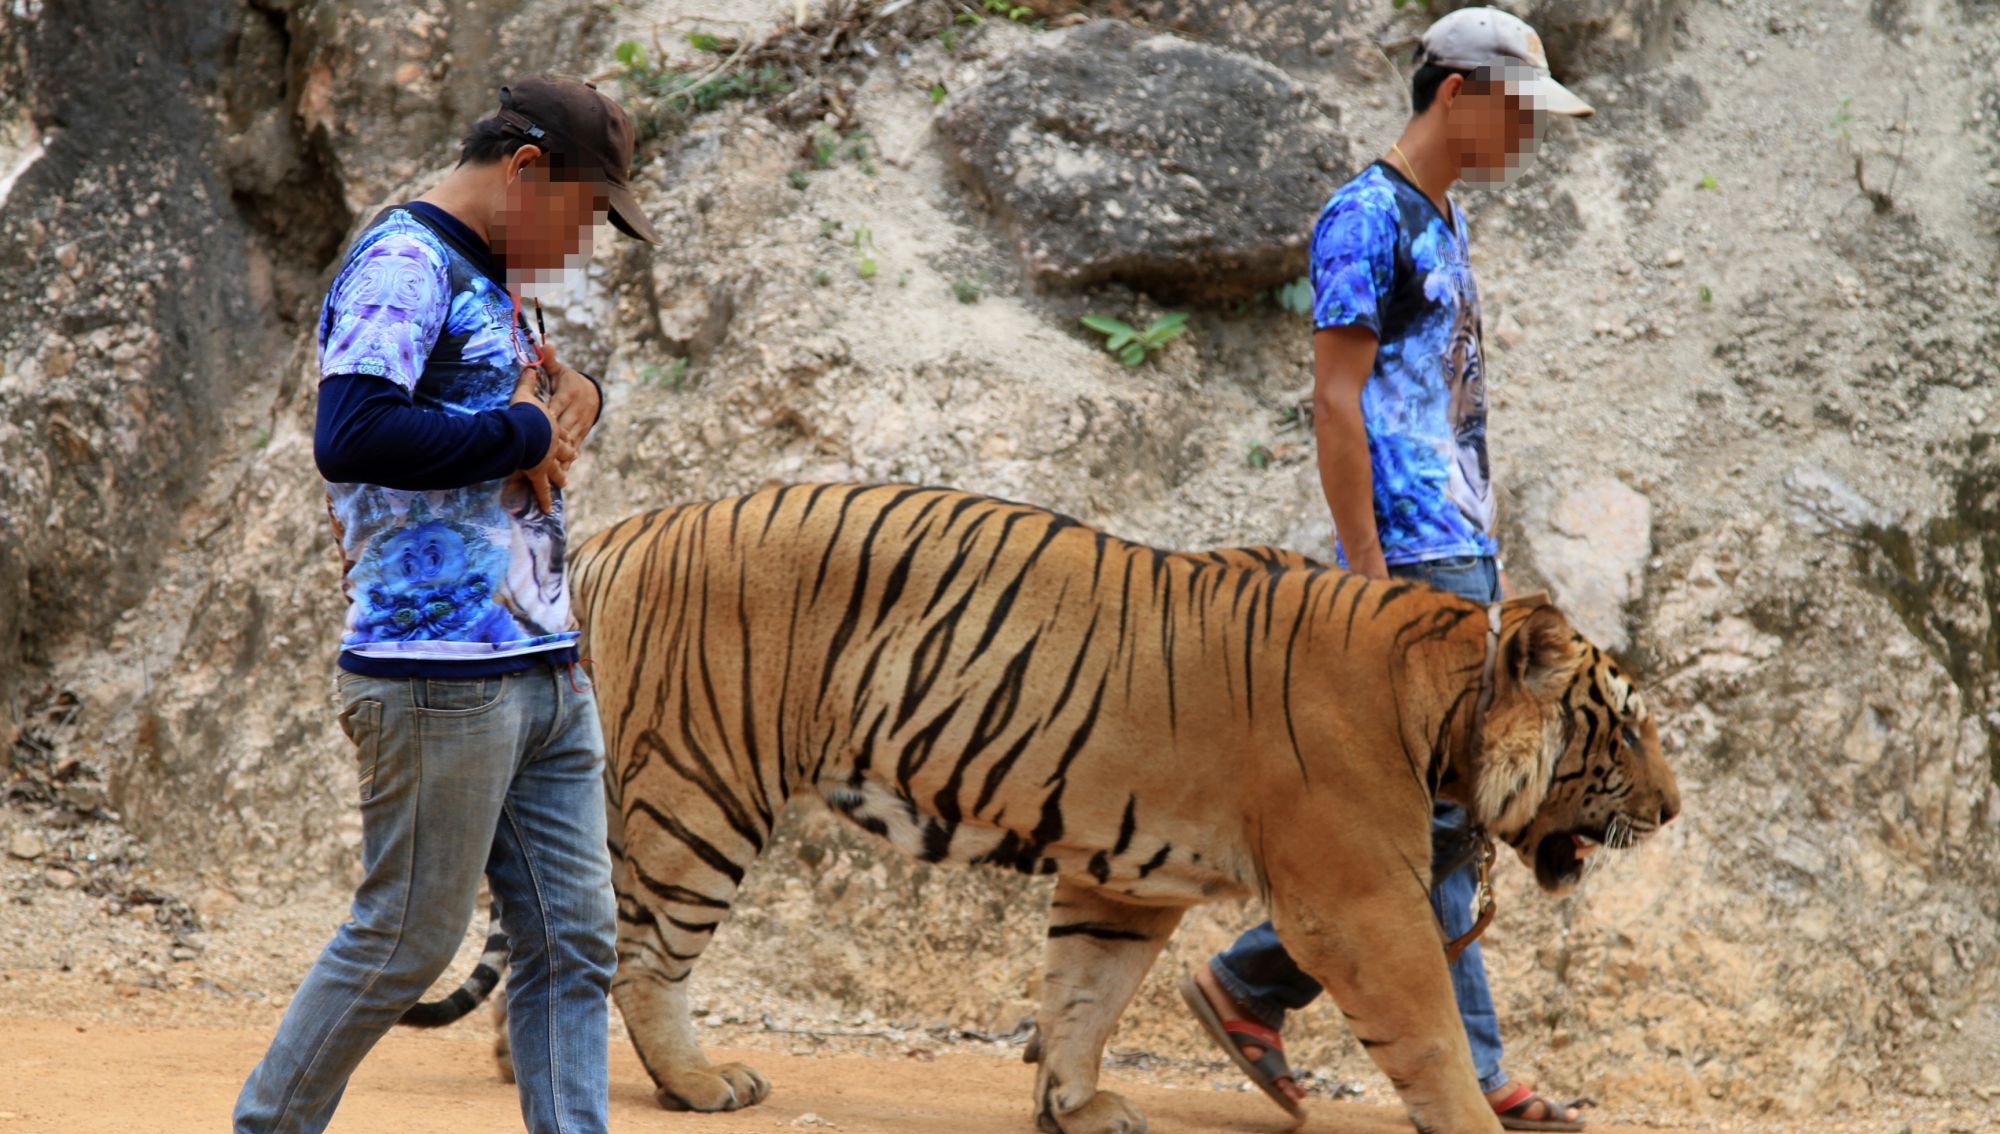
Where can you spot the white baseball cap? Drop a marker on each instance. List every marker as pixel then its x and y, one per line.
pixel 1473 39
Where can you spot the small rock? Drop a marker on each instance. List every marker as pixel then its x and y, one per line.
pixel 1510 332
pixel 1674 258
pixel 56 878
pixel 26 845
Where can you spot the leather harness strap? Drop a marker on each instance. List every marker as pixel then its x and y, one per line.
pixel 1475 745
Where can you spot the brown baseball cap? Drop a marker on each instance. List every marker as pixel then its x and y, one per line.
pixel 584 133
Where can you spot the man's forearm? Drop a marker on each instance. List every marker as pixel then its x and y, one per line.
pixel 369 432
pixel 1348 480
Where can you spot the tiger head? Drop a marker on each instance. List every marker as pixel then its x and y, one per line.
pixel 1571 758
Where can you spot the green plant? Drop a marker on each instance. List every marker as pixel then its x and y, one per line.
pixel 864 247
pixel 1132 345
pixel 1707 181
pixel 825 147
pixel 822 277
pixel 965 290
pixel 1295 297
pixel 1843 115
pixel 1706 295
pixel 687 90
pixel 969 18
pixel 1288 415
pixel 1258 457
pixel 669 377
pixel 262 439
pixel 949 37
pixel 799 179
pixel 937 93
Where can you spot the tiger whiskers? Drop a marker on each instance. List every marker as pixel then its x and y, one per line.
pixel 1619 834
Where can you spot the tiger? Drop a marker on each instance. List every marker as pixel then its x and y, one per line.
pixel 982 682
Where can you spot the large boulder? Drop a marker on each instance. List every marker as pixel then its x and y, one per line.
pixel 1119 155
pixel 1591 543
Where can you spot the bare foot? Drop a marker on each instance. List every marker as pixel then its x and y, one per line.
pixel 1227 1008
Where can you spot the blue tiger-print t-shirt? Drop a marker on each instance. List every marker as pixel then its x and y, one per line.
pixel 465 576
pixel 1384 258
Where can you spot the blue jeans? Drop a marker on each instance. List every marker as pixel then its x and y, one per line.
pixel 1262 978
pixel 497 775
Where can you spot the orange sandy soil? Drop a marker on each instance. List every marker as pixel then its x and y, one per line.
pixel 124 1078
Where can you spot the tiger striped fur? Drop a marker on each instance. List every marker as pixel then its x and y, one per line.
pixel 990 683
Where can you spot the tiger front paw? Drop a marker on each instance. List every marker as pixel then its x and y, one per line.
pixel 1107 1112
pixel 729 1086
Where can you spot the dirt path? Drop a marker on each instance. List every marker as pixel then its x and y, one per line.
pixel 123 1079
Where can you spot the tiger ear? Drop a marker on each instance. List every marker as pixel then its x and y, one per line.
pixel 1546 652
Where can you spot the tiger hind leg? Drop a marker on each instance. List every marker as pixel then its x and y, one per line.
pixel 674 889
pixel 503 1050
pixel 1099 950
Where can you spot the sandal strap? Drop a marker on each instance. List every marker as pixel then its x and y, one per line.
pixel 1257 1034
pixel 1516 1105
pixel 1518 1100
pixel 1272 1064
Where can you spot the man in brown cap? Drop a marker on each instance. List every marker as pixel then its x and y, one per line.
pixel 446 428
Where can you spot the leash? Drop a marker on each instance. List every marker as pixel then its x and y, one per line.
pixel 1487 853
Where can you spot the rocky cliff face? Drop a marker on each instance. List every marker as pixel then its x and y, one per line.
pixel 1742 330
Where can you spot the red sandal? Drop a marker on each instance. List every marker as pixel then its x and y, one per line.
pixel 1268 1069
pixel 1513 1111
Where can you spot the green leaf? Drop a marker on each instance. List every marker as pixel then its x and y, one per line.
pixel 629 54
pixel 1118 340
pixel 1168 325
pixel 1258 457
pixel 1021 13
pixel 704 41
pixel 1106 325
pixel 1707 181
pixel 1132 355
pixel 937 93
pixel 1706 295
pixel 866 269
pixel 949 38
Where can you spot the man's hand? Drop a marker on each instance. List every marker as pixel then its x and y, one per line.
pixel 538 388
pixel 576 400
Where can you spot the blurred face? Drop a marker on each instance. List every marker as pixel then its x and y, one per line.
pixel 546 222
pixel 1493 131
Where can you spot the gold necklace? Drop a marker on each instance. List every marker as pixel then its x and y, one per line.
pixel 1397 149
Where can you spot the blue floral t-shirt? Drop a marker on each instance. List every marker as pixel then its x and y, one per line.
pixel 1385 259
pixel 458 574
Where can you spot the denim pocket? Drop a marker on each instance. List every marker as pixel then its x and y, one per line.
pixel 362 722
pixel 441 697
